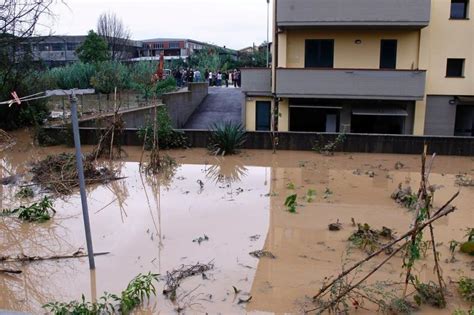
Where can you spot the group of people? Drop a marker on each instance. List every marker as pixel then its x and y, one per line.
pixel 214 78
pixel 219 78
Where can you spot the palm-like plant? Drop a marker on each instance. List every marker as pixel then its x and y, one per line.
pixel 226 138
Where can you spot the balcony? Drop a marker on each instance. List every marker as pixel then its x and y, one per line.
pixel 351 84
pixel 257 81
pixel 354 13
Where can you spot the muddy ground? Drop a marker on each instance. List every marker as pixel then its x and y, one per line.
pixel 149 224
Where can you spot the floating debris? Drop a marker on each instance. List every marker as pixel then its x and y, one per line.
pixel 58 173
pixel 335 226
pixel 201 239
pixel 405 197
pixel 464 180
pixel 368 239
pixel 399 165
pixel 262 253
pixel 174 278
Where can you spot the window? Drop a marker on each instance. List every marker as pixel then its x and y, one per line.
pixel 459 9
pixel 319 53
pixel 388 54
pixel 72 46
pixel 455 68
pixel 263 112
pixel 174 45
pixel 57 47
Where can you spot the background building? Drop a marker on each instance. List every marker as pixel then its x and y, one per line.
pixel 381 66
pixel 61 50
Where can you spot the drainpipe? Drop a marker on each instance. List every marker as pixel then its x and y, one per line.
pixel 276 100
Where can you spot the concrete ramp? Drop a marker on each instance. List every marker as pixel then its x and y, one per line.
pixel 221 104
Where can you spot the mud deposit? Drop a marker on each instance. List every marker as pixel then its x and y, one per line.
pixel 160 223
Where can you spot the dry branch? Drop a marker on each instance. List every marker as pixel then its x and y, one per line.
pixel 175 277
pixel 24 258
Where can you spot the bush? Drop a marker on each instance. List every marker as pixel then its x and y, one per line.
pixel 110 75
pixel 226 138
pixel 165 86
pixel 466 289
pixel 168 137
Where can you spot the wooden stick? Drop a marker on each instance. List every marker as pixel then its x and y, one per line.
pixel 439 214
pixel 38 258
pixel 10 271
pixel 341 295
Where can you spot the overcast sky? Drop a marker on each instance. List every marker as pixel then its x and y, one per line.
pixel 233 23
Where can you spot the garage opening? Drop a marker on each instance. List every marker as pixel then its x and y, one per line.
pixel 464 121
pixel 378 120
pixel 314 118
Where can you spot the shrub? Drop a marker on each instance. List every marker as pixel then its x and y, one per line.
pixel 168 137
pixel 165 86
pixel 226 138
pixel 466 289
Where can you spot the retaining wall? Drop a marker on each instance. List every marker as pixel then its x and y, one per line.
pixel 368 143
pixel 181 105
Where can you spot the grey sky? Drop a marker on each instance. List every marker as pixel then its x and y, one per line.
pixel 233 23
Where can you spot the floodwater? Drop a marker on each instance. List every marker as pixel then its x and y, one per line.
pixel 149 224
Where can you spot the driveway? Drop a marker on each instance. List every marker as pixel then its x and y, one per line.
pixel 222 104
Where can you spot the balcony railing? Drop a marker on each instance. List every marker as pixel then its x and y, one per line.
pixel 365 13
pixel 257 81
pixel 351 83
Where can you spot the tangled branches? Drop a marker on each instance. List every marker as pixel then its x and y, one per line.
pixel 58 173
pixel 5 140
pixel 110 145
pixel 175 277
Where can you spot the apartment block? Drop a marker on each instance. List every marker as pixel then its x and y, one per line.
pixel 366 66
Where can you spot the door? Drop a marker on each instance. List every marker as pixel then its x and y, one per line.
pixel 263 119
pixel 388 54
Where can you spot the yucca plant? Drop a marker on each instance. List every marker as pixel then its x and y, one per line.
pixel 226 138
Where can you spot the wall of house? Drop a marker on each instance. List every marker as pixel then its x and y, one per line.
pixel 348 54
pixel 443 39
pixel 250 112
pixel 440 116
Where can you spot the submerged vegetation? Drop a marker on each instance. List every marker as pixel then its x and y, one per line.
pixel 226 138
pixel 37 212
pixel 466 289
pixel 329 147
pixel 369 239
pixel 290 203
pixel 138 290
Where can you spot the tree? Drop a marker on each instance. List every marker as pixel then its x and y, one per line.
pixel 117 35
pixel 110 75
pixel 94 49
pixel 18 21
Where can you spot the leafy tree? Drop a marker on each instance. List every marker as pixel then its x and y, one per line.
pixel 141 74
pixel 110 75
pixel 94 49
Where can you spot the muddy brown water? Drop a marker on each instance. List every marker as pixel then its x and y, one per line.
pixel 149 224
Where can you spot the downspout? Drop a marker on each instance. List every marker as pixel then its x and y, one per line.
pixel 276 109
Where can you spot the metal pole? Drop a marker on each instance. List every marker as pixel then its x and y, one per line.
pixel 268 26
pixel 82 184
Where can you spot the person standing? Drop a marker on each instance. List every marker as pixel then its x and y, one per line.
pixel 210 78
pixel 206 75
pixel 239 78
pixel 225 77
pixel 235 78
pixel 219 79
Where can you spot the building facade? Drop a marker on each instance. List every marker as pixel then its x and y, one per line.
pixel 368 66
pixel 61 50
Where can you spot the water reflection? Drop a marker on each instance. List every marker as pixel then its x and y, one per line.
pixel 226 170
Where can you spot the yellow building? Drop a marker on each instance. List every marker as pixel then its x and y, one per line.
pixel 366 66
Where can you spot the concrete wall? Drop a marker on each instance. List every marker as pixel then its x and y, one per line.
pixel 181 105
pixel 133 118
pixel 348 54
pixel 353 13
pixel 400 144
pixel 357 84
pixel 440 116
